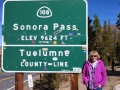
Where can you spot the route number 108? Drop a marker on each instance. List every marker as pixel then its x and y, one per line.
pixel 50 37
pixel 44 12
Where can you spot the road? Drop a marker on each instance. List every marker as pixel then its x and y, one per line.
pixel 7 80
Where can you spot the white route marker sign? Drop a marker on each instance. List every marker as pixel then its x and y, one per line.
pixel 30 81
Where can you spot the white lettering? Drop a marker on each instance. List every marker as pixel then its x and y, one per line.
pixel 22 64
pixel 44 53
pixel 36 64
pixel 40 63
pixel 28 27
pixel 21 50
pixel 66 37
pixel 68 27
pixel 30 37
pixel 26 64
pixel 66 64
pixel 60 64
pixel 55 64
pixel 34 27
pixel 45 27
pixel 40 27
pixel 61 37
pixel 74 27
pixel 40 52
pixel 15 26
pixel 31 64
pixel 67 53
pixel 28 53
pixel 22 37
pixel 34 53
pixel 60 52
pixel 62 27
pixel 55 26
pixel 22 27
pixel 52 53
pixel 45 64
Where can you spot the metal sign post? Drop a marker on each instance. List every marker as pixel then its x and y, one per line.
pixel 19 78
pixel 74 81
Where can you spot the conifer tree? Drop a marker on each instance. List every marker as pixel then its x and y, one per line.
pixel 118 47
pixel 118 21
pixel 91 35
pixel 98 43
pixel 105 38
pixel 111 43
pixel 118 38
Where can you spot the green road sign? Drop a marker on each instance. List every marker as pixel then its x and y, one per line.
pixel 33 28
pixel 44 21
pixel 43 59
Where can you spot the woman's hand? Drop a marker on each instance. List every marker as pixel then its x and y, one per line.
pixel 99 86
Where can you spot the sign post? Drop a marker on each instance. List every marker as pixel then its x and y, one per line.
pixel 74 81
pixel 49 37
pixel 19 78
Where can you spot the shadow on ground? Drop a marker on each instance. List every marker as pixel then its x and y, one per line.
pixel 115 73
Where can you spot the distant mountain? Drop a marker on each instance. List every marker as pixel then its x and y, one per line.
pixel 113 27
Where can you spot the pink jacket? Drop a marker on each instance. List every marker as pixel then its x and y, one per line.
pixel 100 73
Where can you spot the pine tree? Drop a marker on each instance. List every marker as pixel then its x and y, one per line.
pixel 105 38
pixel 111 43
pixel 118 38
pixel 118 47
pixel 91 35
pixel 98 43
pixel 118 22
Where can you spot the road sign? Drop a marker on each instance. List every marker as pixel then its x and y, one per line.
pixel 37 27
pixel 44 22
pixel 43 59
pixel 30 81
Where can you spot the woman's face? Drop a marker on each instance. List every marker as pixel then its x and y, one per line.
pixel 94 58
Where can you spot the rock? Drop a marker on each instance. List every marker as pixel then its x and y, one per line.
pixel 117 87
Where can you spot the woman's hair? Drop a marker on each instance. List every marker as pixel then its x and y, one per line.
pixel 94 52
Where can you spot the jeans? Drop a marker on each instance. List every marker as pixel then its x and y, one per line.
pixel 95 89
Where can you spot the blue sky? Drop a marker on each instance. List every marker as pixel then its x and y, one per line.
pixel 105 10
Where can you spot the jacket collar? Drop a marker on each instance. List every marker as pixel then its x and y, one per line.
pixel 99 61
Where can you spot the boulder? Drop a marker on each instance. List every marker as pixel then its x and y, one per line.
pixel 117 87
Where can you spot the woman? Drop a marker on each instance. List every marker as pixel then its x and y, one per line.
pixel 94 72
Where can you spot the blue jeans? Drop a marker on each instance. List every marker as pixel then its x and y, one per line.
pixel 95 89
pixel 99 88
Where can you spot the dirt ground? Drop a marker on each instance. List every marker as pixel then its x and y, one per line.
pixel 113 78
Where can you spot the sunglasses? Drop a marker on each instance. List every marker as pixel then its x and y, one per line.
pixel 94 56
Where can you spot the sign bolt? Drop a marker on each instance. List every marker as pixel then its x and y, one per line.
pixel 33 41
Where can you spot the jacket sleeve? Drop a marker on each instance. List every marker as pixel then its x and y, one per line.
pixel 83 73
pixel 104 75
